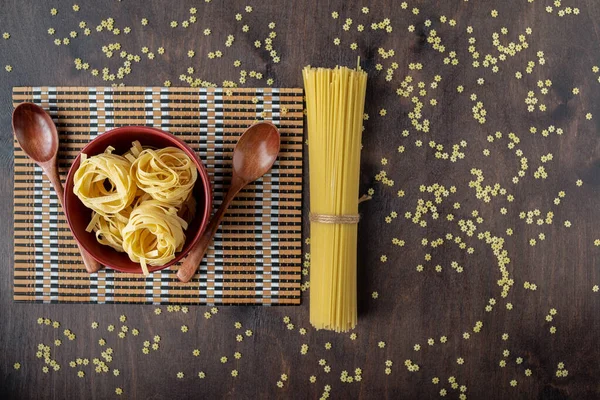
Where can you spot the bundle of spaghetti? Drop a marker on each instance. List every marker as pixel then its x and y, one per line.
pixel 103 182
pixel 167 174
pixel 153 234
pixel 335 107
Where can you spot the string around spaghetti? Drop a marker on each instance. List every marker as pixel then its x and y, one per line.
pixel 338 219
pixel 334 219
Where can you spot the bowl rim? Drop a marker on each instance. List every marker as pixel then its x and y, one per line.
pixel 203 175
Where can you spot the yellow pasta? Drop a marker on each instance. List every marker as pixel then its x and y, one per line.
pixel 141 202
pixel 103 182
pixel 335 106
pixel 168 175
pixel 153 234
pixel 108 228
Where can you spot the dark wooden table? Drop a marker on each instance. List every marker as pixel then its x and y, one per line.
pixel 412 306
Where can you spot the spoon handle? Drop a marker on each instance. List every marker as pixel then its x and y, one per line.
pixel 194 258
pixel 91 265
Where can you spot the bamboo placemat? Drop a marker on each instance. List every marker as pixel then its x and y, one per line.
pixel 256 255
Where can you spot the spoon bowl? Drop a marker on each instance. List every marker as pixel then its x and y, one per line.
pixel 35 132
pixel 253 156
pixel 256 152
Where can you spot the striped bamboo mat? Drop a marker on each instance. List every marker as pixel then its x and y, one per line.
pixel 256 256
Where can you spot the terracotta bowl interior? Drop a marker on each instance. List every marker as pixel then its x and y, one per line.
pixel 78 215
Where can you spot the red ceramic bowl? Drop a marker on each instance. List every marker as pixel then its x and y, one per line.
pixel 78 215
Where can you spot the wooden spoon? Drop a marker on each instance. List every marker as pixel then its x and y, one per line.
pixel 253 156
pixel 37 136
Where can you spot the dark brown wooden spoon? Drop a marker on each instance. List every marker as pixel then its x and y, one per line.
pixel 37 136
pixel 253 156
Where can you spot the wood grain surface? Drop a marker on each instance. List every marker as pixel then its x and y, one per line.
pixel 411 306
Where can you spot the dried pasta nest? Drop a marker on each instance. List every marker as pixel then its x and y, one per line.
pixel 153 234
pixel 163 174
pixel 103 183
